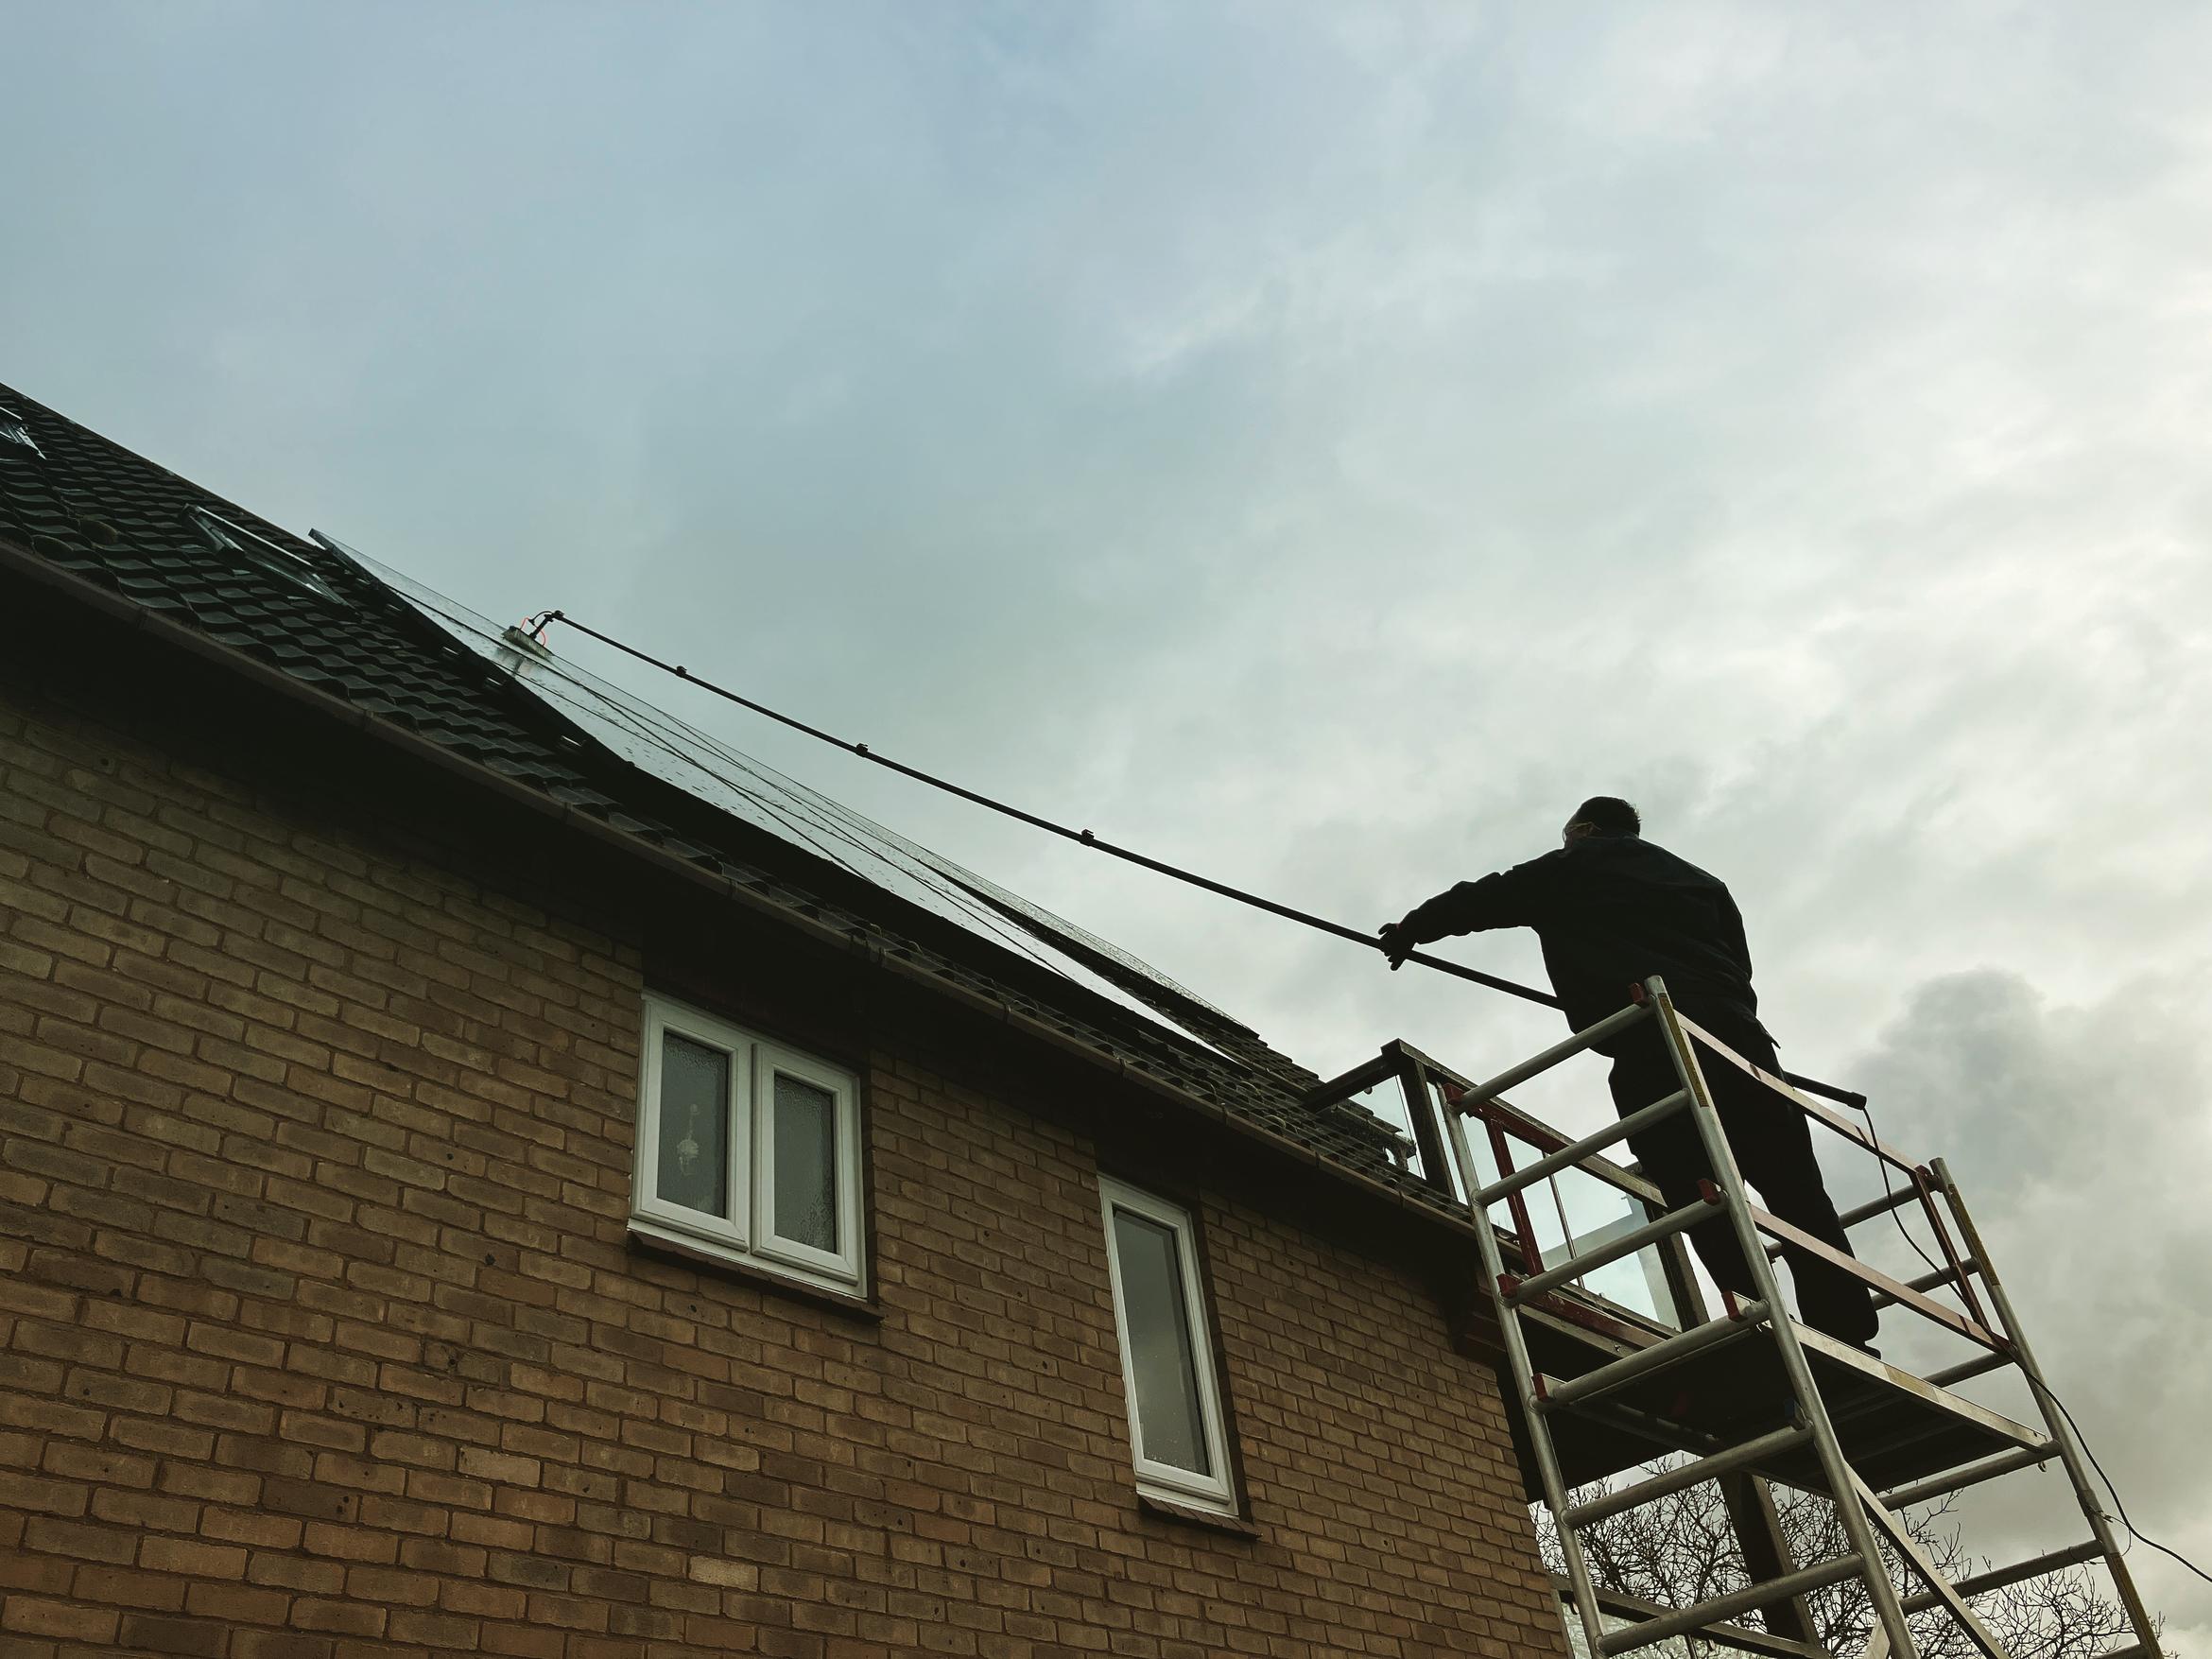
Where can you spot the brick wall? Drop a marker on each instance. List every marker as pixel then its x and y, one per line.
pixel 320 1336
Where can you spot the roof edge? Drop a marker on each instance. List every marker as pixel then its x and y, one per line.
pixel 19 561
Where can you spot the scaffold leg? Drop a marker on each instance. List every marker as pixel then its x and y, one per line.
pixel 1857 1524
pixel 1516 1347
pixel 1900 1538
pixel 2055 1420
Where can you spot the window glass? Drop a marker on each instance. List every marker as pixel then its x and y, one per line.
pixel 695 1125
pixel 1599 1213
pixel 1171 1421
pixel 805 1171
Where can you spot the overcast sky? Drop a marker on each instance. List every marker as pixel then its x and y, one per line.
pixel 1318 446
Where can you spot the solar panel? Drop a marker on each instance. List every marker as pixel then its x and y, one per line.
pixel 724 777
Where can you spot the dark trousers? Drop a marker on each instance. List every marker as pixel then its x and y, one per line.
pixel 1773 1145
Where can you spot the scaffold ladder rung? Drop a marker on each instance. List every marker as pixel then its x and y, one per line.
pixel 1895 1198
pixel 1523 1291
pixel 2018 1573
pixel 1685 1474
pixel 1966 1370
pixel 1720 1608
pixel 1580 1151
pixel 1934 1280
pixel 1557 1393
pixel 1736 1638
pixel 1904 1497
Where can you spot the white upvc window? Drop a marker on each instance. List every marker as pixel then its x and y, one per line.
pixel 1175 1418
pixel 746 1149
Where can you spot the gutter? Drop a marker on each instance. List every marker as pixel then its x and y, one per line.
pixel 19 561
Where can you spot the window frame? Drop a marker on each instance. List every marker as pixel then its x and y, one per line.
pixel 746 1236
pixel 1168 1482
pixel 770 1060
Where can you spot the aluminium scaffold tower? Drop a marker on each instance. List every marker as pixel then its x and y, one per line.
pixel 1874 1437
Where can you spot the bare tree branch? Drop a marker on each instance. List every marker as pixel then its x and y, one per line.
pixel 1682 1549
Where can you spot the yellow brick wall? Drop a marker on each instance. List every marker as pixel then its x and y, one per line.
pixel 320 1336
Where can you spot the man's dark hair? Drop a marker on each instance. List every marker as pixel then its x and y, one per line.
pixel 1609 815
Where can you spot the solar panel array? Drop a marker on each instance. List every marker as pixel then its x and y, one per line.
pixel 722 776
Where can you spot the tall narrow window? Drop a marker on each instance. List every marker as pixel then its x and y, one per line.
pixel 1167 1360
pixel 747 1148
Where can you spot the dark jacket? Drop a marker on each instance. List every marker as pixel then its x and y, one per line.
pixel 1611 910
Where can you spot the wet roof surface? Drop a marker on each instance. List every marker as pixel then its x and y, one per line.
pixel 394 650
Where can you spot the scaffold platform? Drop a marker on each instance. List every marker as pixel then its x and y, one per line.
pixel 1894 1428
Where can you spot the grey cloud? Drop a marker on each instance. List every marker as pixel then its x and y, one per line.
pixel 2079 1136
pixel 1317 445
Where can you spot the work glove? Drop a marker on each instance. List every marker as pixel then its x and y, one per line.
pixel 1397 944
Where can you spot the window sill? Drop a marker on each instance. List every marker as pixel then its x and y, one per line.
pixel 1191 1515
pixel 649 1240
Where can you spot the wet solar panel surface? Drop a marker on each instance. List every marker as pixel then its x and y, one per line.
pixel 722 776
